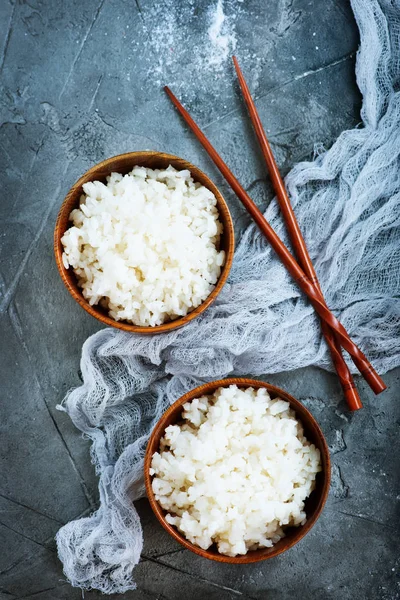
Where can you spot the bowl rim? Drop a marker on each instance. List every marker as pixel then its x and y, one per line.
pixel 75 291
pixel 251 556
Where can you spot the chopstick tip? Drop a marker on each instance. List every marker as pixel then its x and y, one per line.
pixel 237 68
pixel 169 93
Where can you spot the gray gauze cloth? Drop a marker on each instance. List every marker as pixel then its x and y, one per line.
pixel 347 202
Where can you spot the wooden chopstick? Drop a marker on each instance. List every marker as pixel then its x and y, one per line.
pixel 347 382
pixel 314 295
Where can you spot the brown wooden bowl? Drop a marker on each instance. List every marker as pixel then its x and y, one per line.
pixel 314 503
pixel 124 163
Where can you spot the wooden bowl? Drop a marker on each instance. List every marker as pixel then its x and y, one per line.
pixel 314 503
pixel 123 164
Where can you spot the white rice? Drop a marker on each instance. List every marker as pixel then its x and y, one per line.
pixel 144 246
pixel 236 471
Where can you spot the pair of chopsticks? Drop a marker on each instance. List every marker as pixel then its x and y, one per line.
pixel 303 271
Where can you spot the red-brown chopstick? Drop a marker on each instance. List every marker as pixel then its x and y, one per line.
pixel 314 295
pixel 347 382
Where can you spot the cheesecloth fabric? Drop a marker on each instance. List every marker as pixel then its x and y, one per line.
pixel 347 201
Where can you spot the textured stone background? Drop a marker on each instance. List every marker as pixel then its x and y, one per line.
pixel 80 81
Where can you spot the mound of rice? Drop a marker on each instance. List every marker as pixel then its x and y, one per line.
pixel 236 471
pixel 144 246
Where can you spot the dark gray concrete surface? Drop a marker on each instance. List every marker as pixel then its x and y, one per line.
pixel 81 81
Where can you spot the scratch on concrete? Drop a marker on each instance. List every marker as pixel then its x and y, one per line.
pixel 286 131
pixel 18 330
pixel 85 513
pixel 33 161
pixel 16 324
pixel 82 44
pixel 6 153
pixel 168 553
pixel 145 29
pixel 54 587
pixel 23 559
pixel 139 9
pixel 365 518
pixel 12 566
pixel 35 510
pixel 8 296
pixel 103 119
pixel 197 578
pixel 23 535
pixel 95 93
pixel 318 69
pixel 11 166
pixel 105 122
pixel 284 84
pixel 341 10
pixel 7 40
pixel 9 596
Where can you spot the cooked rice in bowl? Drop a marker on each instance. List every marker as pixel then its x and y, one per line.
pixel 235 471
pixel 145 246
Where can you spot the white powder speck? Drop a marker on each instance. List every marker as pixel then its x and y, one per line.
pixel 213 41
pixel 210 51
pixel 222 36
